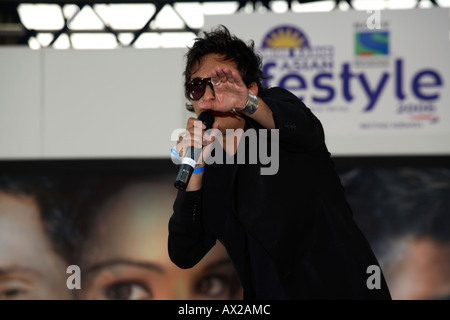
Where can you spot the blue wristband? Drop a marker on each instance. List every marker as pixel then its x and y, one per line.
pixel 198 170
pixel 175 153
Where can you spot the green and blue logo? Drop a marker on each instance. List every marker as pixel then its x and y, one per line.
pixel 371 43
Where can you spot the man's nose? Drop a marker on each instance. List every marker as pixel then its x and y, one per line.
pixel 209 93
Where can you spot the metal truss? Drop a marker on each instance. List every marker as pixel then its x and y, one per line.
pixel 13 31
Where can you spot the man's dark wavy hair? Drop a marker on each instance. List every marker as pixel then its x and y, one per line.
pixel 221 41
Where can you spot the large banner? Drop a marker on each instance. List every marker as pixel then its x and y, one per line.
pixel 378 80
pixel 99 230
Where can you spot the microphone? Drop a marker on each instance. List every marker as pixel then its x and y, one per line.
pixel 190 159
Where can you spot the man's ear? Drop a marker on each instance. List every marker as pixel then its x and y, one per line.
pixel 253 88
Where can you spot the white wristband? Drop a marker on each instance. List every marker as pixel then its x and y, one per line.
pixel 189 161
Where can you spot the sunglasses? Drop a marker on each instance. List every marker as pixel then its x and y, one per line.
pixel 195 89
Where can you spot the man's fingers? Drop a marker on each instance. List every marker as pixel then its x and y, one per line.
pixel 193 135
pixel 182 136
pixel 221 74
pixel 229 74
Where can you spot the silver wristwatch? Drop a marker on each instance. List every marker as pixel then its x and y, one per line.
pixel 251 106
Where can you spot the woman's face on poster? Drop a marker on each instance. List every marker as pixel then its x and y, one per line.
pixel 126 255
pixel 30 269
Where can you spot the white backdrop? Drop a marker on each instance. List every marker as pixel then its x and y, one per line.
pixel 125 103
pixel 90 103
pixel 20 111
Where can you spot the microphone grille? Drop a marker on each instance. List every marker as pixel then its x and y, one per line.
pixel 207 118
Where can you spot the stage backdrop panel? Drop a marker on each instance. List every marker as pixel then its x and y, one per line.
pixel 84 104
pixel 112 103
pixel 378 80
pixel 20 103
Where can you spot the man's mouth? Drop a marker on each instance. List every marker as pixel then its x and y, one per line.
pixel 224 114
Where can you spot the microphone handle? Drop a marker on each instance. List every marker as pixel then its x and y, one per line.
pixel 187 168
pixel 192 154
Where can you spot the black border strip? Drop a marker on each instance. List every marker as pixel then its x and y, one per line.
pixel 145 166
pixel 165 165
pixel 345 163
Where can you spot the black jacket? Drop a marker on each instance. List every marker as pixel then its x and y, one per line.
pixel 299 216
